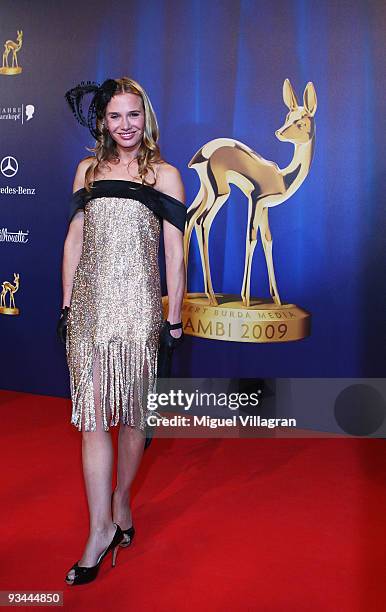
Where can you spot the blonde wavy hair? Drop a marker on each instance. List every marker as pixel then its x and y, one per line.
pixel 105 149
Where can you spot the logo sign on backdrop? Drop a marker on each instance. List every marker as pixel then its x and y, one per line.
pixel 11 49
pixel 19 236
pixel 220 163
pixel 22 113
pixel 9 166
pixel 9 289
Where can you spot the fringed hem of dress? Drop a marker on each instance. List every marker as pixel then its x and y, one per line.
pixel 123 385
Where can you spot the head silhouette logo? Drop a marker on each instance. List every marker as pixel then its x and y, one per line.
pixel 29 111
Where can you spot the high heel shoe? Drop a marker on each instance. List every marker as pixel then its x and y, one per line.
pixel 88 574
pixel 128 537
pixel 128 533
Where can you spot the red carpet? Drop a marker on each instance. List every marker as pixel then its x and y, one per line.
pixel 222 525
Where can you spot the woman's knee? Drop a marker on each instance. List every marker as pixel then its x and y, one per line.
pixel 100 431
pixel 131 433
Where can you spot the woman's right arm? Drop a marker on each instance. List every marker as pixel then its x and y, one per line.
pixel 74 239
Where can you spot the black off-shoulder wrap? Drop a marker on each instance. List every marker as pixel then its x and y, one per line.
pixel 161 204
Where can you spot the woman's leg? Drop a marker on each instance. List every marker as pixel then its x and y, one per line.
pixel 97 459
pixel 131 444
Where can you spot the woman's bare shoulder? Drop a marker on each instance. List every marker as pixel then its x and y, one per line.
pixel 164 168
pixel 85 163
pixel 81 172
pixel 169 181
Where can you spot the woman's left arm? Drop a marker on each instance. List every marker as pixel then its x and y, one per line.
pixel 174 251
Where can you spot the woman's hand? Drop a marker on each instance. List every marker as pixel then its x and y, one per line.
pixel 167 344
pixel 176 333
pixel 171 338
pixel 61 328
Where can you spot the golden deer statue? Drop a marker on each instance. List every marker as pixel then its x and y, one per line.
pixel 7 286
pixel 10 45
pixel 225 161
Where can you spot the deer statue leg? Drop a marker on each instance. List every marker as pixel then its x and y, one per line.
pixel 5 296
pixel 193 212
pixel 266 239
pixel 254 217
pixel 247 254
pixel 202 228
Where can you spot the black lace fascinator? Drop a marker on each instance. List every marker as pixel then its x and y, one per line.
pixel 101 96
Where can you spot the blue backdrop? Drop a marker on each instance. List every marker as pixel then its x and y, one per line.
pixel 212 69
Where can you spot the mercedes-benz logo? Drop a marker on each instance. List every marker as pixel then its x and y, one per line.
pixel 9 166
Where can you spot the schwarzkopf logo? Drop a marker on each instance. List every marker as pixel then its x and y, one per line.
pixel 6 236
pixel 22 113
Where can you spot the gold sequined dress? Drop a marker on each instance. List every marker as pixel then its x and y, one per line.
pixel 115 312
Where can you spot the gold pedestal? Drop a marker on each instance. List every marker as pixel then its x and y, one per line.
pixel 262 321
pixel 10 71
pixel 9 311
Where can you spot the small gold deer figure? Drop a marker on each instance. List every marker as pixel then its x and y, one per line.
pixel 10 45
pixel 7 286
pixel 223 161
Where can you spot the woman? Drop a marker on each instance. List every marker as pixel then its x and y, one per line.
pixel 112 318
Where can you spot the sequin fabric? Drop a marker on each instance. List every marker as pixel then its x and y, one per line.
pixel 115 313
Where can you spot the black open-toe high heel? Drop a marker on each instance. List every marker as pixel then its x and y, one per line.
pixel 127 533
pixel 128 537
pixel 88 574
